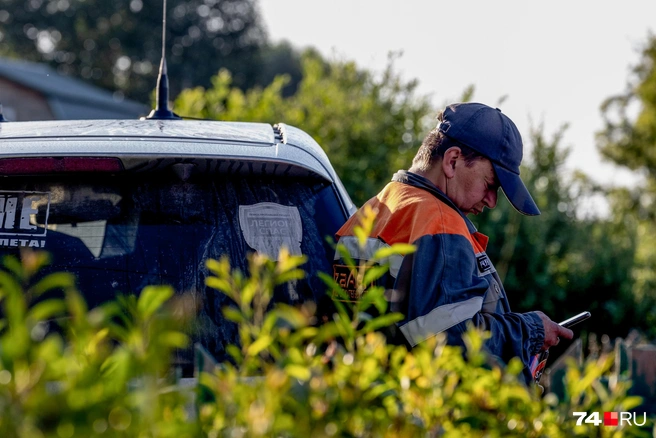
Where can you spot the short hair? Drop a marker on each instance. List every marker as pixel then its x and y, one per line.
pixel 434 146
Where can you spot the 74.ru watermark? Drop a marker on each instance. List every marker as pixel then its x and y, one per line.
pixel 611 418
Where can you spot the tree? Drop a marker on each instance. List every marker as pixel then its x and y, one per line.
pixel 369 125
pixel 629 139
pixel 117 44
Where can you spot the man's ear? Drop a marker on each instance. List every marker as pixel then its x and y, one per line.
pixel 449 162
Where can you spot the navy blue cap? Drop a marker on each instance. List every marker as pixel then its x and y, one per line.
pixel 492 134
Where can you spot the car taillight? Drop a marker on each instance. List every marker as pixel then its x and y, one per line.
pixel 23 166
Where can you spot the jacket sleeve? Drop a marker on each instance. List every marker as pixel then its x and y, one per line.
pixel 443 289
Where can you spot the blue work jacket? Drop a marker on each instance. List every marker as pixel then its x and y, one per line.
pixel 449 280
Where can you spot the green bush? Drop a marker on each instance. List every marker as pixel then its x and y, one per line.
pixel 97 373
pixel 106 371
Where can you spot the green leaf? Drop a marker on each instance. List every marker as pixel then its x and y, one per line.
pixel 58 280
pixel 376 296
pixel 77 307
pixel 233 314
pixel 373 273
pixel 298 371
pixel 173 339
pixel 218 284
pixel 119 332
pixel 396 249
pixel 345 255
pixel 248 293
pixel 362 236
pixel 152 298
pixel 344 324
pixel 631 402
pixel 291 315
pixel 9 285
pixel 341 308
pixel 303 333
pixel 381 321
pixel 329 281
pixel 118 366
pixel 220 268
pixel 15 307
pixel 296 274
pixel 260 344
pixel 235 353
pixel 13 265
pixel 47 309
pixel 290 262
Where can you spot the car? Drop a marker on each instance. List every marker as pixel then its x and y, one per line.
pixel 123 204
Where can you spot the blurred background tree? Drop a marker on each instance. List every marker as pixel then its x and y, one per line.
pixel 629 139
pixel 117 45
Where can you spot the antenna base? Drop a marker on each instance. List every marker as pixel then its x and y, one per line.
pixel 162 114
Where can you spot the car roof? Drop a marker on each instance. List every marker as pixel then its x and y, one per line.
pixel 232 131
pixel 161 138
pixel 239 141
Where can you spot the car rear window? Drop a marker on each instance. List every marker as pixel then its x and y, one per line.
pixel 120 232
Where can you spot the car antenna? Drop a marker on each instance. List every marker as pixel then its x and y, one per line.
pixel 2 117
pixel 162 111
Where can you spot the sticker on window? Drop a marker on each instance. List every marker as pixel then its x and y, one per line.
pixel 18 219
pixel 268 226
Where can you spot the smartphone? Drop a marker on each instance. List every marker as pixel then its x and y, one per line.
pixel 575 319
pixel 539 361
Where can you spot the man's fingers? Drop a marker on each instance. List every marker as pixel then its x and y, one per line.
pixel 565 333
pixel 553 332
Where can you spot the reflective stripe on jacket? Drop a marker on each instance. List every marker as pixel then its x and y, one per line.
pixel 449 280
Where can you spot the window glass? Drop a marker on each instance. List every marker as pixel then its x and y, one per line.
pixel 120 233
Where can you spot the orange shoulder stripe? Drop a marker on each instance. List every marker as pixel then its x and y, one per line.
pixel 406 213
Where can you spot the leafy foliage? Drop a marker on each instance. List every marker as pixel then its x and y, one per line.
pixel 343 379
pixel 97 372
pixel 106 371
pixel 628 140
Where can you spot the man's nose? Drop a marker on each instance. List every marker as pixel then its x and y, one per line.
pixel 490 199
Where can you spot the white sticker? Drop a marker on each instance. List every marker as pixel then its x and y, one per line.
pixel 268 226
pixel 18 213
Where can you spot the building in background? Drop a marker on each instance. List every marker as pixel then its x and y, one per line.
pixel 31 91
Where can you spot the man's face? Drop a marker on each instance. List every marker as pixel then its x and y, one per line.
pixel 474 186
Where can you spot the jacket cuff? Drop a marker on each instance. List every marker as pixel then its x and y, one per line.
pixel 536 332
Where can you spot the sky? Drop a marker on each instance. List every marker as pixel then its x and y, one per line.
pixel 554 61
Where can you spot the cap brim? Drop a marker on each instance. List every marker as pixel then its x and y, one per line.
pixel 516 191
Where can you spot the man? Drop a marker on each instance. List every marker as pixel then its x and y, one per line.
pixel 449 280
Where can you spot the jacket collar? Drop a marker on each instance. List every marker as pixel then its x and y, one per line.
pixel 415 180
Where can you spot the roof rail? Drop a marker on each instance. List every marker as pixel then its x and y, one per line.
pixel 280 133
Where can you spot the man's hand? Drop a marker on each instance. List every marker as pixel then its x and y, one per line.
pixel 553 332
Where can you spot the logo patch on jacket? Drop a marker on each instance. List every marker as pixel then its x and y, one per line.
pixel 484 264
pixel 347 279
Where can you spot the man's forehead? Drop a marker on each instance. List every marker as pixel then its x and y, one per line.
pixel 490 173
